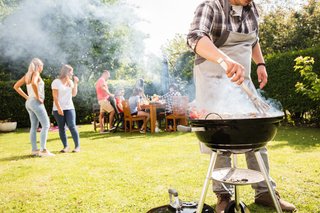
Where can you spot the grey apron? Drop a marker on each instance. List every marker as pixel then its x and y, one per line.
pixel 215 93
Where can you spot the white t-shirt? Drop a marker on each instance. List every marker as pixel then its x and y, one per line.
pixel 237 10
pixel 64 94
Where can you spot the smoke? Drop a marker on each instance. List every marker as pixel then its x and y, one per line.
pixel 226 99
pixel 72 31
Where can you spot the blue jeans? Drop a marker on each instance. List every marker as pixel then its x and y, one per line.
pixel 37 113
pixel 68 119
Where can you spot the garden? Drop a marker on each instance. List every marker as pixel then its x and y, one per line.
pixel 132 172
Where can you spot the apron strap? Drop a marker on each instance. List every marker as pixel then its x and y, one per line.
pixel 225 34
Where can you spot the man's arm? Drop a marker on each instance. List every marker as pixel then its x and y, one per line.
pixel 106 89
pixel 257 57
pixel 206 49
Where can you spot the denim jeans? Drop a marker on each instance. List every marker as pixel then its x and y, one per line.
pixel 224 160
pixel 68 119
pixel 37 113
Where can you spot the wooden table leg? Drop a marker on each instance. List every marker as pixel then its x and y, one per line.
pixel 153 117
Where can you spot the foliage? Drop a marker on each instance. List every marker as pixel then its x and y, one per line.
pixel 281 85
pixel 89 35
pixel 285 29
pixel 180 58
pixel 311 83
pixel 180 61
pixel 97 178
pixel 7 7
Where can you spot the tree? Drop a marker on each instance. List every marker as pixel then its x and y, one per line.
pixel 7 6
pixel 285 29
pixel 180 58
pixel 90 35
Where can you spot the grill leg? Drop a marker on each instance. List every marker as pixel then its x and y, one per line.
pixel 236 187
pixel 268 182
pixel 207 181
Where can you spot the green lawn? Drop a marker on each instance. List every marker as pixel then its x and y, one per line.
pixel 132 172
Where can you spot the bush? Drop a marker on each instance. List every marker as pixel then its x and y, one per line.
pixel 13 105
pixel 282 80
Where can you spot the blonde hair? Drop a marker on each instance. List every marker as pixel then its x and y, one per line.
pixel 66 68
pixel 33 67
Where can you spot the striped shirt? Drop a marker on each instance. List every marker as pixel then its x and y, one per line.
pixel 209 20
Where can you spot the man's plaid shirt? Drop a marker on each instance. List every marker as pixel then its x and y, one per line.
pixel 209 20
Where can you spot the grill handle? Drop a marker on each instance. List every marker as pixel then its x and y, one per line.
pixel 182 128
pixel 174 201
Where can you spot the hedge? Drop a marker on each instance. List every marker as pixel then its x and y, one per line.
pixel 13 105
pixel 281 84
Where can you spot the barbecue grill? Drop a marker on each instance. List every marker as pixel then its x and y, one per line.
pixel 236 136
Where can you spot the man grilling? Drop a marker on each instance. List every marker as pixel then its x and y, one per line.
pixel 226 31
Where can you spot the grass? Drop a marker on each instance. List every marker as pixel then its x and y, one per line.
pixel 132 172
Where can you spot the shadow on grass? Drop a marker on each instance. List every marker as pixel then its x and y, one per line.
pixel 299 138
pixel 17 158
pixel 127 135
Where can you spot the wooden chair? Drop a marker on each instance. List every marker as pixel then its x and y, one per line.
pixel 128 118
pixel 179 112
pixel 95 117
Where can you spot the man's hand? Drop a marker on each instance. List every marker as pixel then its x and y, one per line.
pixel 235 71
pixel 262 76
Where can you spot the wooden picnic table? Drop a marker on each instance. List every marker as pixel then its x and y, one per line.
pixel 153 106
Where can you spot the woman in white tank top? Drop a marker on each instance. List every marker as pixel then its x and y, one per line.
pixel 35 107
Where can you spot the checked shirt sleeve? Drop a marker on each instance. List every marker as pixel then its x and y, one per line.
pixel 201 24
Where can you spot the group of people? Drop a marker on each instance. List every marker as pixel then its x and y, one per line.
pixel 112 103
pixel 63 89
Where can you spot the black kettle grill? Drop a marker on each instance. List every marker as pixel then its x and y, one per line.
pixel 236 136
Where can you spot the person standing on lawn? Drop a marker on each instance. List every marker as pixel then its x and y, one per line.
pixel 35 106
pixel 103 96
pixel 63 89
pixel 226 32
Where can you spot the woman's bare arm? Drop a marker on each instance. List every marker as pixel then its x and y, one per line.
pixel 17 87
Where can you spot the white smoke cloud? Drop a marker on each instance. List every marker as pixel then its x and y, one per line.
pixel 33 29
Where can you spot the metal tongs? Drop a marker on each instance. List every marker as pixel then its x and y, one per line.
pixel 260 105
